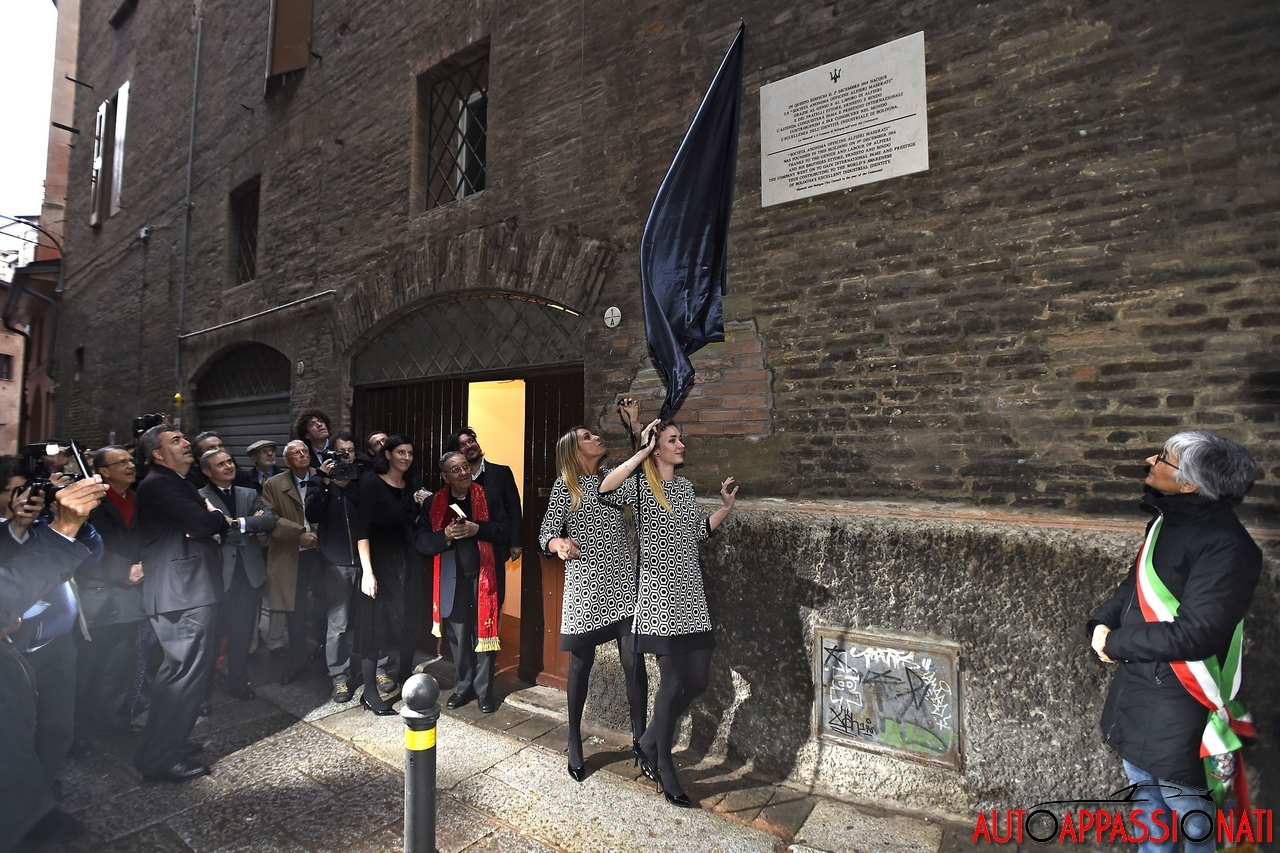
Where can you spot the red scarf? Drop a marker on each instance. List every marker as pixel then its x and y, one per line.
pixel 487 606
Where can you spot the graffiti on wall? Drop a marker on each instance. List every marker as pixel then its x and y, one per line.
pixel 889 693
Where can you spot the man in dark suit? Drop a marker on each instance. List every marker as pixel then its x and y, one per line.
pixel 495 476
pixel 244 570
pixel 180 591
pixel 465 528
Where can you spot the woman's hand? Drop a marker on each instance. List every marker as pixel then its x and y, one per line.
pixel 729 493
pixel 649 437
pixel 1099 642
pixel 566 548
pixel 369 584
pixel 629 411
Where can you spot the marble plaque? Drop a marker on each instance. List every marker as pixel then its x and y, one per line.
pixel 857 120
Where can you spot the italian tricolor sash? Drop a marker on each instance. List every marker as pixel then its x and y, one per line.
pixel 1212 685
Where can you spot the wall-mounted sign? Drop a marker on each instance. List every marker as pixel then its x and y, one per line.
pixel 857 120
pixel 889 694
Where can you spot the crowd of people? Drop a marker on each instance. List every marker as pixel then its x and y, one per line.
pixel 120 594
pixel 176 564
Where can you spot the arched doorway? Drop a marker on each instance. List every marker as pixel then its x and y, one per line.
pixel 507 365
pixel 245 396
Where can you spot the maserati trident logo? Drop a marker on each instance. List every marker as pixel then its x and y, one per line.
pixel 835 76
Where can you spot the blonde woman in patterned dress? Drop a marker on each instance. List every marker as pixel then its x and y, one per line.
pixel 599 580
pixel 671 618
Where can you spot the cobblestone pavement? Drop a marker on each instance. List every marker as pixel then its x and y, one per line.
pixel 293 771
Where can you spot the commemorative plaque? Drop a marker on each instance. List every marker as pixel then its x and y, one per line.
pixel 850 122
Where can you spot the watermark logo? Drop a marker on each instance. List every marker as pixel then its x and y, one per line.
pixel 1124 816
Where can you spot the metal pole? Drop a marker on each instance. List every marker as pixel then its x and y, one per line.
pixel 186 213
pixel 420 712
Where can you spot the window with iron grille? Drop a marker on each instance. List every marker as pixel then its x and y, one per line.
pixel 452 126
pixel 244 231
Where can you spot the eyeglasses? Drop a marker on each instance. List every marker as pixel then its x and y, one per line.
pixel 1163 456
pixel 458 470
pixel 117 462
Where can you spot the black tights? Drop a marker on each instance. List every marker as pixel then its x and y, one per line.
pixel 683 678
pixel 580 671
pixel 369 674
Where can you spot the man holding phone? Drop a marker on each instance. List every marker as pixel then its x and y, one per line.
pixel 466 529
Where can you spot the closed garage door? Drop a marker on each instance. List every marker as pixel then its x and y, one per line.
pixel 245 396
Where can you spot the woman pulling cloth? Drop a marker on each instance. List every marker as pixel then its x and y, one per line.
pixel 599 581
pixel 671 617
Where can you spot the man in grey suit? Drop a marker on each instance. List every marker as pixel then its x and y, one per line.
pixel 244 571
pixel 182 582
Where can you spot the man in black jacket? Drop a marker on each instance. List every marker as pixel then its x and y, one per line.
pixel 181 587
pixel 1181 603
pixel 333 507
pixel 493 476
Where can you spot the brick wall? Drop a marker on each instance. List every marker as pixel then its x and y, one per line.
pixel 1089 264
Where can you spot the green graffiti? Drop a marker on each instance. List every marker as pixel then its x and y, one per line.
pixel 911 736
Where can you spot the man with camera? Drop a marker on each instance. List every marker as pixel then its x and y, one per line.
pixel 243 569
pixel 293 564
pixel 180 592
pixel 36 560
pixel 332 506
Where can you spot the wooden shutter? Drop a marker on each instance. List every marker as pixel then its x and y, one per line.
pixel 290 36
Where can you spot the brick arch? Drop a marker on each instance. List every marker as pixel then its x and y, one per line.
pixel 557 265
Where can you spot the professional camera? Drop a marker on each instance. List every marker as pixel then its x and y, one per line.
pixel 39 462
pixel 142 423
pixel 343 469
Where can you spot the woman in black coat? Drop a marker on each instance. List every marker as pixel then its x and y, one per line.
pixel 386 609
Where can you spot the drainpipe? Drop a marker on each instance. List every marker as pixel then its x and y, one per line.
pixel 186 219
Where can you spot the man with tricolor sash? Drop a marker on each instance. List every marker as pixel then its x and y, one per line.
pixel 1174 629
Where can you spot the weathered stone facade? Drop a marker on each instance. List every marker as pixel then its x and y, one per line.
pixel 1091 263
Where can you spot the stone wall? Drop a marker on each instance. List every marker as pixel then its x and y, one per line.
pixel 1013 592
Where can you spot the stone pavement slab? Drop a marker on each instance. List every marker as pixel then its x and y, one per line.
pixel 293 771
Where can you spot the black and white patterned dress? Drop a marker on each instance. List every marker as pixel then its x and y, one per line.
pixel 599 584
pixel 671 612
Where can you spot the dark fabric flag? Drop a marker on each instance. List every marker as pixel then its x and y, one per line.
pixel 684 250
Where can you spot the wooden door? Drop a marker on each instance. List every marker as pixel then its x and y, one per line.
pixel 553 405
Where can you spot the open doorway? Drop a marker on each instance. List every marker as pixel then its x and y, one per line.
pixel 518 420
pixel 496 411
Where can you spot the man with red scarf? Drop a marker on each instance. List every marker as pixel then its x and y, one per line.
pixel 459 528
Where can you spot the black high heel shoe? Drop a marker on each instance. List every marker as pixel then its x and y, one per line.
pixel 646 766
pixel 680 800
pixel 385 712
pixel 577 774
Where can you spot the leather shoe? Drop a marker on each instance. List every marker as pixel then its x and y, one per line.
pixel 577 774
pixel 243 691
pixel 179 772
pixel 488 705
pixel 293 675
pixel 205 709
pixel 457 700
